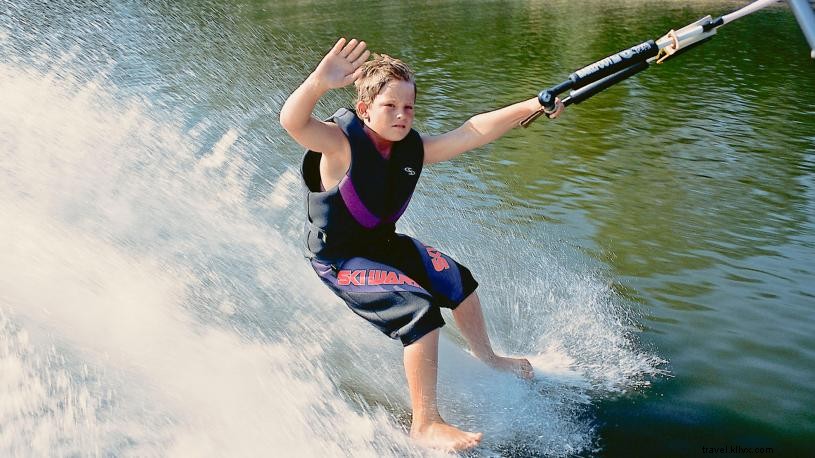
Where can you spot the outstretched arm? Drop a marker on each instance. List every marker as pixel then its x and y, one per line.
pixel 480 130
pixel 340 67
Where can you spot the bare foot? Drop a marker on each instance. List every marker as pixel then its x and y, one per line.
pixel 519 366
pixel 440 435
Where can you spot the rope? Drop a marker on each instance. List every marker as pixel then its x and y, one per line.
pixel 751 8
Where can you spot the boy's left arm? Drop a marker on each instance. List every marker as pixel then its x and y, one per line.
pixel 480 130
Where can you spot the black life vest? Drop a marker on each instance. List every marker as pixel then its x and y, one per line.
pixel 363 207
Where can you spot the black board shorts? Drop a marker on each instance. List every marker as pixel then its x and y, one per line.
pixel 399 286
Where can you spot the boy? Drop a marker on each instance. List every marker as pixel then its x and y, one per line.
pixel 360 170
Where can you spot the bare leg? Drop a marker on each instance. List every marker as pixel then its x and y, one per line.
pixel 470 320
pixel 428 428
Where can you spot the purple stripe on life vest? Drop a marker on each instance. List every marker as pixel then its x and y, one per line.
pixel 397 215
pixel 358 210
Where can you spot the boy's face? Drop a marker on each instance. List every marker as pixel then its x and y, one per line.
pixel 390 114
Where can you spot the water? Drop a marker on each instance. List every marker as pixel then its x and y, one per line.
pixel 651 250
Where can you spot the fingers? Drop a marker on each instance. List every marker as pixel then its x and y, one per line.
pixel 357 66
pixel 559 107
pixel 350 47
pixel 337 46
pixel 362 58
pixel 357 51
pixel 352 51
pixel 357 73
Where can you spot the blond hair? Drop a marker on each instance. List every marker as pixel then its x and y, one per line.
pixel 377 72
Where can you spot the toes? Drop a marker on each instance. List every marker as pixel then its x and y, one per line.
pixel 464 444
pixel 468 443
pixel 472 440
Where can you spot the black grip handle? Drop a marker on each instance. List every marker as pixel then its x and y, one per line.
pixel 589 90
pixel 546 97
pixel 613 63
pixel 599 70
pixel 597 76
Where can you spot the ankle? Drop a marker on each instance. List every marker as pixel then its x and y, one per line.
pixel 488 356
pixel 421 422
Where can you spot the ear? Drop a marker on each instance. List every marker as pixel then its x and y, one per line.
pixel 362 109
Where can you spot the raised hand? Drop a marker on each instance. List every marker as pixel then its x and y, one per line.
pixel 340 67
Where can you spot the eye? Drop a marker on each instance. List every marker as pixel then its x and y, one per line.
pixel 408 107
pixel 390 105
